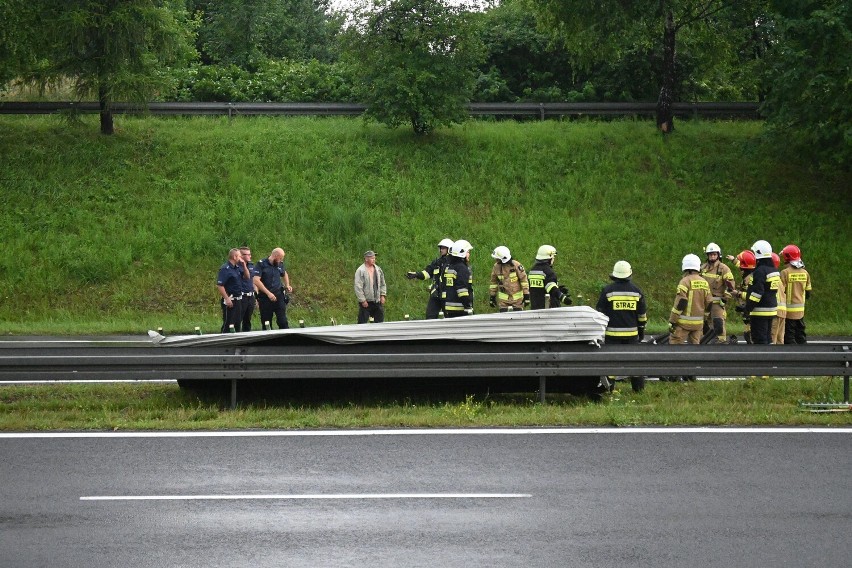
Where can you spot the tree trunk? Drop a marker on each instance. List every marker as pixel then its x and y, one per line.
pixel 665 119
pixel 106 111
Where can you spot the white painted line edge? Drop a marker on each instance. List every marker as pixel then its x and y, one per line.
pixel 331 496
pixel 423 432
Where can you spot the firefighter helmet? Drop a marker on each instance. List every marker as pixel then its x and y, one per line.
pixel 622 269
pixel 545 252
pixel 746 260
pixel 761 249
pixel 460 248
pixel 502 253
pixel 691 262
pixel 713 247
pixel 446 243
pixel 791 253
pixel 776 260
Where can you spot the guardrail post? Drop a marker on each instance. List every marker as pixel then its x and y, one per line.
pixel 542 386
pixel 230 108
pixel 541 110
pixel 233 394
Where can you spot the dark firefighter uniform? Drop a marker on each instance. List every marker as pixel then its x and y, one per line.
pixel 761 300
pixel 624 304
pixel 509 285
pixel 434 271
pixel 543 283
pixel 456 289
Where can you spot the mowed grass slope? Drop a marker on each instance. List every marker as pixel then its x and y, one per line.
pixel 126 233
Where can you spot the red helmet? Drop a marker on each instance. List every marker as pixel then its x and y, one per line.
pixel 791 253
pixel 776 260
pixel 746 260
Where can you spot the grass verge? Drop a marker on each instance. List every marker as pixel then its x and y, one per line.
pixel 151 406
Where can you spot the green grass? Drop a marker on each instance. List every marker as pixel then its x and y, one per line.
pixel 126 233
pixel 165 407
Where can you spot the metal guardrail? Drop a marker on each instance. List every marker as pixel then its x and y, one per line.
pixel 540 110
pixel 403 361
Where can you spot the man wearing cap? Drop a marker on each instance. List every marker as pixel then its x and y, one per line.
pixel 370 290
pixel 624 303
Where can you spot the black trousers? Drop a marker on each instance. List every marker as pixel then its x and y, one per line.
pixel 268 308
pixel 794 332
pixel 248 311
pixel 374 309
pixel 618 340
pixel 761 330
pixel 231 316
pixel 434 306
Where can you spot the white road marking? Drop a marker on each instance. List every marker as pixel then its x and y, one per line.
pixel 331 496
pixel 424 432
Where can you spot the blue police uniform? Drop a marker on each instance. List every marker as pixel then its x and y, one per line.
pixel 248 299
pixel 231 278
pixel 271 277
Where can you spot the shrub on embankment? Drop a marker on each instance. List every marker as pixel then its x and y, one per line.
pixel 125 233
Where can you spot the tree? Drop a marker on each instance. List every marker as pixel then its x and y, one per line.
pixel 17 38
pixel 809 100
pixel 415 61
pixel 115 49
pixel 604 30
pixel 245 32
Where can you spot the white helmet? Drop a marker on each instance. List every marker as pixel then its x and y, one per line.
pixel 446 243
pixel 545 252
pixel 713 247
pixel 622 269
pixel 691 262
pixel 460 248
pixel 761 249
pixel 502 253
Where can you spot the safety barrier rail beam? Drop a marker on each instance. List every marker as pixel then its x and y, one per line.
pixel 540 110
pixel 403 360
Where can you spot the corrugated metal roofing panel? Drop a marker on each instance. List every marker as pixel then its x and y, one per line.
pixel 568 324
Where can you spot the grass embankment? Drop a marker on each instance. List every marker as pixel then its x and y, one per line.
pixel 126 233
pixel 165 407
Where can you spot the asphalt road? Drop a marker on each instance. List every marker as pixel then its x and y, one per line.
pixel 565 498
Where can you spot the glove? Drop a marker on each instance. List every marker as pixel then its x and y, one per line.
pixel 411 275
pixel 526 299
pixel 492 301
pixel 671 328
pixel 739 309
pixel 746 319
pixel 641 333
pixel 566 300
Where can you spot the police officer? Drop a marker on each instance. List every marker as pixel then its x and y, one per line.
pixel 273 288
pixel 721 281
pixel 544 282
pixel 434 271
pixel 457 296
pixel 761 305
pixel 509 287
pixel 229 283
pixel 624 303
pixel 249 290
pixel 691 301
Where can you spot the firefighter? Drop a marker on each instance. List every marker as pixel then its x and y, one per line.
pixel 544 282
pixel 796 282
pixel 779 323
pixel 721 281
pixel 456 289
pixel 434 271
pixel 509 287
pixel 691 301
pixel 624 303
pixel 746 262
pixel 761 296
